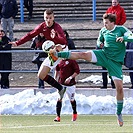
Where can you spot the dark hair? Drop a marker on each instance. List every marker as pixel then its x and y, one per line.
pixel 66 33
pixel 2 31
pixel 111 17
pixel 41 38
pixel 49 11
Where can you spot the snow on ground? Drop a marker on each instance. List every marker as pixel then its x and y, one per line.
pixel 97 79
pixel 26 102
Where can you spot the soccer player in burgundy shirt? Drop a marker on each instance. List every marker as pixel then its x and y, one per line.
pixel 65 73
pixel 52 31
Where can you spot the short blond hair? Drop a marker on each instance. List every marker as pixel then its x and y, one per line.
pixel 49 11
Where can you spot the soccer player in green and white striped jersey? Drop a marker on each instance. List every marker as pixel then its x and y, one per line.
pixel 112 40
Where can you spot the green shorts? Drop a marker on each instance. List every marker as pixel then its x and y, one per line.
pixel 114 68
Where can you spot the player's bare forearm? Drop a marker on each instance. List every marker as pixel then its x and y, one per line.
pixel 13 44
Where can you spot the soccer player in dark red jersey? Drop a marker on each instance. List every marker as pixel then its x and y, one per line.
pixel 52 31
pixel 65 73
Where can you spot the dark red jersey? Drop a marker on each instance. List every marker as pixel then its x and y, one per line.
pixel 66 68
pixel 47 31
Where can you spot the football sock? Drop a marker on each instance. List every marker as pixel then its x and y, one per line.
pixel 50 80
pixel 58 107
pixel 64 54
pixel 119 107
pixel 73 103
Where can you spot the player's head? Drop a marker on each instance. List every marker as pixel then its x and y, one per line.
pixel 49 17
pixel 115 2
pixel 109 20
pixel 2 33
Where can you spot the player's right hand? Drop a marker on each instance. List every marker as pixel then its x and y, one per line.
pixel 13 44
pixel 119 39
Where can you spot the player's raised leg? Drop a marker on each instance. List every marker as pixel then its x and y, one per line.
pixel 73 55
pixel 43 74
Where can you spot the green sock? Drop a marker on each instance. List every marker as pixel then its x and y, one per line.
pixel 64 54
pixel 119 107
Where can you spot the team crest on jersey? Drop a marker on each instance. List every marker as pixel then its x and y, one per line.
pixel 52 34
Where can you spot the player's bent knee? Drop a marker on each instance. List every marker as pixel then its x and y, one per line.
pixel 41 75
pixel 43 71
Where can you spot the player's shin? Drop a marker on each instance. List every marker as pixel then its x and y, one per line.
pixel 58 107
pixel 73 103
pixel 119 115
pixel 119 107
pixel 50 80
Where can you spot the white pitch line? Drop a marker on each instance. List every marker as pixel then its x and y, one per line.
pixel 37 126
pixel 54 125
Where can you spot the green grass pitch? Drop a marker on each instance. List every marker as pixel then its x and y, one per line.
pixel 45 124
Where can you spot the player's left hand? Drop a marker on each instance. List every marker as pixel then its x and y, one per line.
pixel 67 81
pixel 119 39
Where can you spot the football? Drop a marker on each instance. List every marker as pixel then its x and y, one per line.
pixel 47 45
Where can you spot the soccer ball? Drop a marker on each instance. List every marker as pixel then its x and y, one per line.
pixel 47 45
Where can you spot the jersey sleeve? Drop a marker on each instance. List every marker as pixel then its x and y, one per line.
pixel 100 39
pixel 76 67
pixel 30 35
pixel 128 35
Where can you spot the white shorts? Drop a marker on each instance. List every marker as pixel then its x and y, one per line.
pixel 47 62
pixel 94 58
pixel 70 91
